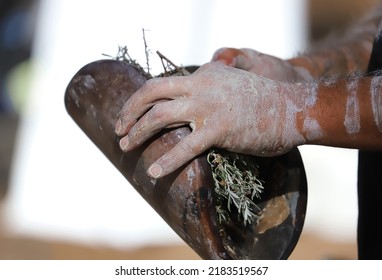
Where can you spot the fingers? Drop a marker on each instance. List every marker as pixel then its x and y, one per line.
pixel 171 102
pixel 167 114
pixel 170 114
pixel 227 56
pixel 188 148
pixel 152 92
pixel 244 58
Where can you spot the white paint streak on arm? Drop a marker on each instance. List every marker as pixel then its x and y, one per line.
pixel 352 118
pixel 376 100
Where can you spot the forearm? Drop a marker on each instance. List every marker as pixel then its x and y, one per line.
pixel 348 113
pixel 343 54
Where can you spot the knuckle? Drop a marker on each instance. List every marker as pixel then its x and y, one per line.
pixel 205 68
pixel 251 53
pixel 219 53
pixel 149 84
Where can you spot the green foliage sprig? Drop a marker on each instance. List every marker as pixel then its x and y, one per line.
pixel 236 184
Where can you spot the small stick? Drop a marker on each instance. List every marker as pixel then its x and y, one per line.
pixel 146 51
pixel 162 58
pixel 180 70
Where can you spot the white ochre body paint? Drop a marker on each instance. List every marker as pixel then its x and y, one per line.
pixel 376 100
pixel 311 127
pixel 352 118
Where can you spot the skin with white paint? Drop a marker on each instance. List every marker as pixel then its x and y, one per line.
pixel 352 118
pixel 249 102
pixel 376 100
pixel 226 107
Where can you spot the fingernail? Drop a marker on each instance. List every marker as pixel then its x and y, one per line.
pixel 155 170
pixel 124 143
pixel 118 126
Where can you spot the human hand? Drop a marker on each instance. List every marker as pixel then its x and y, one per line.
pixel 224 106
pixel 261 64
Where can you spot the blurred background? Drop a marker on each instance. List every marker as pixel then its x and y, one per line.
pixel 60 198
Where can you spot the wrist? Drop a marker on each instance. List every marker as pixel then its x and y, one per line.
pixel 302 110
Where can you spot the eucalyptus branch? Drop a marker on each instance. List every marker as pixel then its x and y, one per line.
pixel 236 184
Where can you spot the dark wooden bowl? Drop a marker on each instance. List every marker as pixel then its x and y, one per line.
pixel 186 199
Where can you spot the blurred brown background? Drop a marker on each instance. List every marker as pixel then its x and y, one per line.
pixel 323 16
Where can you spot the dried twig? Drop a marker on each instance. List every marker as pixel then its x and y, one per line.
pixel 123 55
pixel 146 51
pixel 170 68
